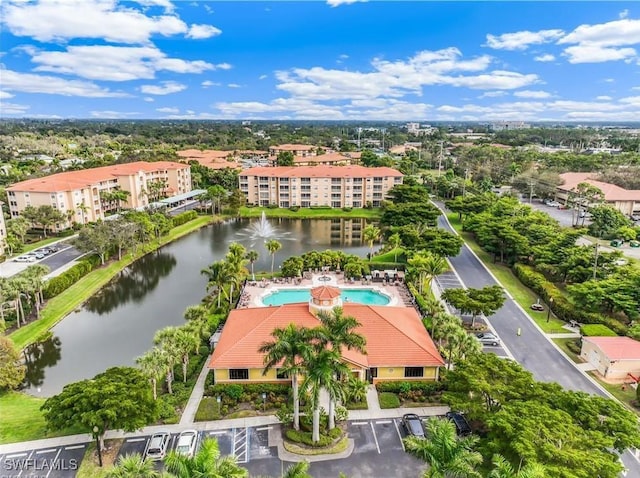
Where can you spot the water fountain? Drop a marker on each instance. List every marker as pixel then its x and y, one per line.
pixel 262 228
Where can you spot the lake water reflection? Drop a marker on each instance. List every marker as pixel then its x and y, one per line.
pixel 118 324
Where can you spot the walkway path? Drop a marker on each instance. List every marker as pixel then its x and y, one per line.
pixel 189 413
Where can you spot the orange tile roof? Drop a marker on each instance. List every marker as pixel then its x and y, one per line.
pixel 322 172
pixel 323 158
pixel 611 191
pixel 204 154
pixel 294 147
pixel 325 292
pixel 395 335
pixel 617 348
pixel 85 178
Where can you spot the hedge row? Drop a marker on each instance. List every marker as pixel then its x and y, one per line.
pixel 406 386
pixel 597 330
pixel 184 217
pixel 62 282
pixel 386 266
pixel 561 306
pixel 420 300
pixel 235 390
pixel 306 437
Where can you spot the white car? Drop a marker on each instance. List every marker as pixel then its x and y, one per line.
pixel 25 259
pixel 157 445
pixel 187 442
pixel 487 338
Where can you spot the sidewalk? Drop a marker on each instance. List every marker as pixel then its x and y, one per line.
pixel 189 413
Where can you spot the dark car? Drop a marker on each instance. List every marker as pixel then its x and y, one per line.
pixel 413 425
pixel 462 425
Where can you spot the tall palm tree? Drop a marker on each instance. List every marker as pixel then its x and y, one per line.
pixel 427 265
pixel 503 469
pixel 290 347
pixel 133 466
pixel 34 276
pixel 370 234
pixel 252 256
pixel 395 242
pixel 273 246
pixel 83 209
pixel 197 317
pixel 321 367
pixel 167 341
pixel 446 454
pixel 338 332
pixel 205 463
pixel 216 273
pixel 186 341
pixel 154 365
pixel 298 470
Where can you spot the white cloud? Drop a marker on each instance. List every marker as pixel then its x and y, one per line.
pixel 602 42
pixel 5 95
pixel 522 40
pixel 493 94
pixel 604 98
pixel 53 85
pixel 198 32
pixel 609 80
pixel 166 4
pixel 209 83
pixel 343 56
pixel 337 3
pixel 114 63
pixel 262 77
pixel 164 88
pixel 13 109
pixel 532 94
pixel 546 57
pixel 168 110
pixel 148 99
pixel 224 66
pixel 234 85
pixel 624 13
pixel 110 114
pixel 635 87
pixel 71 19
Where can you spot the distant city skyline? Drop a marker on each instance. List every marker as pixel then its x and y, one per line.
pixel 317 60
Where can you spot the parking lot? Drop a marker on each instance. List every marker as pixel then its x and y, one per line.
pixel 64 255
pixel 60 462
pixel 378 452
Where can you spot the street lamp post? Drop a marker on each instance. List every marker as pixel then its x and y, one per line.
pixel 549 309
pixel 95 432
pixel 218 400
pixel 264 401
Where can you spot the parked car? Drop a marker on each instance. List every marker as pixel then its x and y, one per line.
pixel 634 243
pixel 552 203
pixel 462 425
pixel 25 258
pixel 616 243
pixel 487 338
pixel 187 442
pixel 157 445
pixel 39 255
pixel 413 425
pixel 537 306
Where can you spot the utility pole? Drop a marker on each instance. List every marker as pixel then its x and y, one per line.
pixel 531 184
pixel 440 159
pixel 595 263
pixel 464 183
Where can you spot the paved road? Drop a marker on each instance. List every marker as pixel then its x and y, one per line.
pixel 379 453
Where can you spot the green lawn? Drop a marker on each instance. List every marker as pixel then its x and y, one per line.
pixel 309 213
pixel 627 396
pixel 60 306
pixel 390 256
pixel 562 343
pixel 22 420
pixel 521 294
pixel 39 244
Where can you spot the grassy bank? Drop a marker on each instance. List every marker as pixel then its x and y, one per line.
pixel 309 213
pixel 626 396
pixel 521 294
pixel 562 343
pixel 60 306
pixel 22 420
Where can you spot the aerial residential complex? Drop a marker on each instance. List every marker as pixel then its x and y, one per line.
pixel 627 201
pixel 308 186
pixel 78 193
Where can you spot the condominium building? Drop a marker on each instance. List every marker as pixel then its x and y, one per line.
pixel 307 186
pixel 296 149
pixel 80 195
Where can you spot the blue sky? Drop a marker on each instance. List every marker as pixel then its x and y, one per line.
pixel 335 59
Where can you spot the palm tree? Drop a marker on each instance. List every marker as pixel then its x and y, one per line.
pixel 154 365
pixel 252 256
pixel 205 463
pixel 186 342
pixel 133 466
pixel 216 273
pixel 273 246
pixel 298 470
pixel 370 234
pixel 395 242
pixel 503 469
pixel 321 367
pixel 197 317
pixel 427 265
pixel 34 276
pixel 167 341
pixel 338 331
pixel 290 348
pixel 446 454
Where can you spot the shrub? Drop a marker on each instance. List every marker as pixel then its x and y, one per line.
pixel 62 282
pixel 234 391
pixel 183 218
pixel 306 437
pixel 597 330
pixel 285 414
pixel 388 400
pixel 574 346
pixel 294 208
pixel 272 206
pixel 347 209
pixel 341 413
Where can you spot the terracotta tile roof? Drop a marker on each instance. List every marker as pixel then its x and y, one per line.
pixel 617 348
pixel 294 147
pixel 611 191
pixel 85 178
pixel 395 335
pixel 323 158
pixel 321 172
pixel 325 292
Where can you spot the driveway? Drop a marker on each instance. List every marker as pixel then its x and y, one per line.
pixel 64 256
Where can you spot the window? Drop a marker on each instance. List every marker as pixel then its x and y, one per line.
pixel 238 374
pixel 413 372
pixel 280 374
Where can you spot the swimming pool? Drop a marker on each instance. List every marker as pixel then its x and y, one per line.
pixel 360 296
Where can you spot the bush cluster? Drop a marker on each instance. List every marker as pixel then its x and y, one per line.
pixel 347 209
pixel 306 437
pixel 62 282
pixel 183 218
pixel 294 208
pixel 412 391
pixel 386 266
pixel 232 394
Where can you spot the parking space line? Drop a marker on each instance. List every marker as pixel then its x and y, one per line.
pixel 241 445
pixel 53 463
pixel 16 455
pixel 383 422
pixel 217 433
pixel 399 435
pixel 23 469
pixel 375 437
pixel 50 450
pixel 74 447
pixel 359 423
pixel 132 440
pixel 263 429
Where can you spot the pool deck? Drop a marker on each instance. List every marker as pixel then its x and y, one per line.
pixel 254 291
